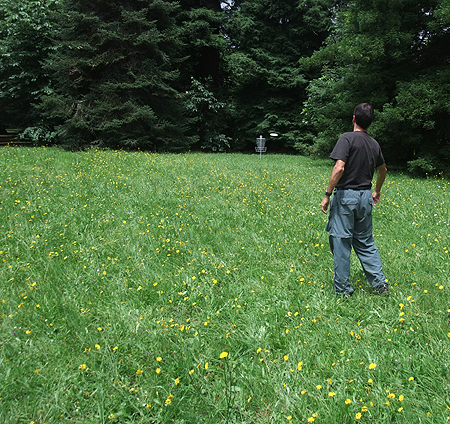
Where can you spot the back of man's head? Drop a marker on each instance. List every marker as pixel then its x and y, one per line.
pixel 363 115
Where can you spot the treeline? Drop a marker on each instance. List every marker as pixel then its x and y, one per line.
pixel 207 74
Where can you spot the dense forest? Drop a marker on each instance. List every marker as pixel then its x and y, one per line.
pixel 164 75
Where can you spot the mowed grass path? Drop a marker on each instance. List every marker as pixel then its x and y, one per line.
pixel 197 288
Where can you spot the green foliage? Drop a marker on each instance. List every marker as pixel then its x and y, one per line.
pixel 202 75
pixel 208 117
pixel 217 143
pixel 26 40
pixel 115 74
pixel 416 123
pixel 325 114
pixel 267 40
pixel 422 166
pixel 39 136
pixel 204 43
pixel 116 77
pixel 394 58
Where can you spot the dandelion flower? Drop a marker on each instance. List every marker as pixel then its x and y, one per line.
pixel 358 416
pixel 299 366
pixel 372 366
pixel 331 394
pixel 223 355
pixel 158 370
pixel 139 372
pixel 348 401
pixel 177 381
pixel 159 359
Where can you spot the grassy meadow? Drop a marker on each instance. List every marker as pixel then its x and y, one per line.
pixel 195 288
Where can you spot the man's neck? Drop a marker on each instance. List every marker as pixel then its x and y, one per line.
pixel 356 127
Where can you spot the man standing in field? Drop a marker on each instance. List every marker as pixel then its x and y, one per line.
pixel 357 155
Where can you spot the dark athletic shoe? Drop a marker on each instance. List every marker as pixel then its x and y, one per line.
pixel 384 290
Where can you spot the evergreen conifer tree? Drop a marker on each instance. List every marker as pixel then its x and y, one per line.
pixel 203 76
pixel 115 76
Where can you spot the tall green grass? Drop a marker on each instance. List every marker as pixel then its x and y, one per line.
pixel 197 288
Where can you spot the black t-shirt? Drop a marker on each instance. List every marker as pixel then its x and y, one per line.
pixel 361 154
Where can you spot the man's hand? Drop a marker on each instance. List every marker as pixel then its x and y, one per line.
pixel 376 196
pixel 324 205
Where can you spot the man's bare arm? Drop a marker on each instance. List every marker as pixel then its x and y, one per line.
pixel 336 175
pixel 381 176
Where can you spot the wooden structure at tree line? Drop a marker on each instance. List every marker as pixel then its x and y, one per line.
pixel 11 138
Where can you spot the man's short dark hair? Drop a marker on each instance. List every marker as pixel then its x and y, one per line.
pixel 363 115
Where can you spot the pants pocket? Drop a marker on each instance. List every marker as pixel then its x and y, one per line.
pixel 347 206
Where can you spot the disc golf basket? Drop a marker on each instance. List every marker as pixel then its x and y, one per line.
pixel 260 145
